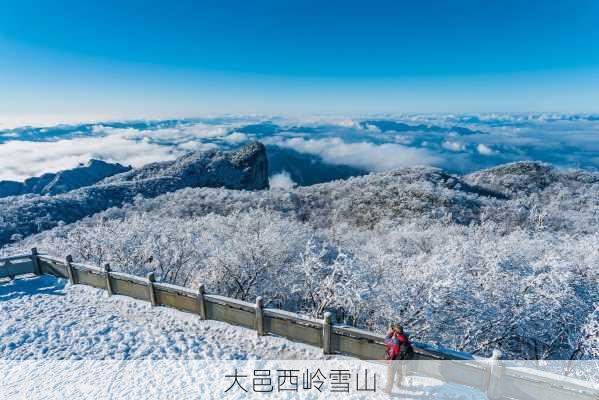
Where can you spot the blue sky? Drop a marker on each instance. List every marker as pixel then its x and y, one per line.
pixel 106 59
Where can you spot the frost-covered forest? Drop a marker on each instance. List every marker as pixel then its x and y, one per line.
pixel 245 168
pixel 504 258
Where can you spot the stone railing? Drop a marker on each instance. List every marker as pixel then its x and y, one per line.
pixel 489 375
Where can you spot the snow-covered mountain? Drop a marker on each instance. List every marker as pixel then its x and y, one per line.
pixel 412 194
pixel 525 178
pixel 505 257
pixel 63 181
pixel 242 169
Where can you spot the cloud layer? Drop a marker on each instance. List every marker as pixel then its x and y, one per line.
pixel 564 140
pixel 20 160
pixel 366 155
pixel 130 146
pixel 282 180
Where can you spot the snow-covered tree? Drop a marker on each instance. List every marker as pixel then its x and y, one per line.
pixel 502 259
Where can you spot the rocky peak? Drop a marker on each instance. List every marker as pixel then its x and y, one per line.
pixel 254 163
pixel 245 169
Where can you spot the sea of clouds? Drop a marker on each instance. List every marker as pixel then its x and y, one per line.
pixel 458 143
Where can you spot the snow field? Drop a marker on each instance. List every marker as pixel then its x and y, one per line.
pixel 62 341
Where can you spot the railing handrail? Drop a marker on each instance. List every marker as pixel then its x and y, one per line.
pixel 427 350
pixel 199 299
pixel 15 257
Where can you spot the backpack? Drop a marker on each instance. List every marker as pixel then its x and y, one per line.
pixel 406 351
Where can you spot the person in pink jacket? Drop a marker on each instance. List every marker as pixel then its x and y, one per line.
pixel 398 347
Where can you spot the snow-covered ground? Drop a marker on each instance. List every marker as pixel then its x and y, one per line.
pixel 48 318
pixel 131 350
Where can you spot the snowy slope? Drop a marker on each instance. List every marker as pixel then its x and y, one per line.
pixel 43 318
pixel 171 354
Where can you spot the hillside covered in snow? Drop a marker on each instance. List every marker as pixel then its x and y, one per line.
pixel 502 258
pixel 62 181
pixel 242 169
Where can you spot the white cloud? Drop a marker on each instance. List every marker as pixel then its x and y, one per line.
pixel 176 134
pixel 517 137
pixel 484 149
pixel 453 146
pixel 402 139
pixel 345 122
pixel 373 128
pixel 282 180
pixel 366 155
pixel 197 146
pixel 20 160
pixel 206 131
pixel 236 137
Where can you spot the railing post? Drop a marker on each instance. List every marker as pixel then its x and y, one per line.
pixel 259 321
pixel 326 333
pixel 36 262
pixel 70 272
pixel 108 282
pixel 202 302
pixel 151 279
pixel 7 265
pixel 495 372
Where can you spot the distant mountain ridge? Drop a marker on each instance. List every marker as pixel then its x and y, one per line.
pixel 523 178
pixel 409 194
pixel 388 125
pixel 406 194
pixel 63 181
pixel 246 168
pixel 403 195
